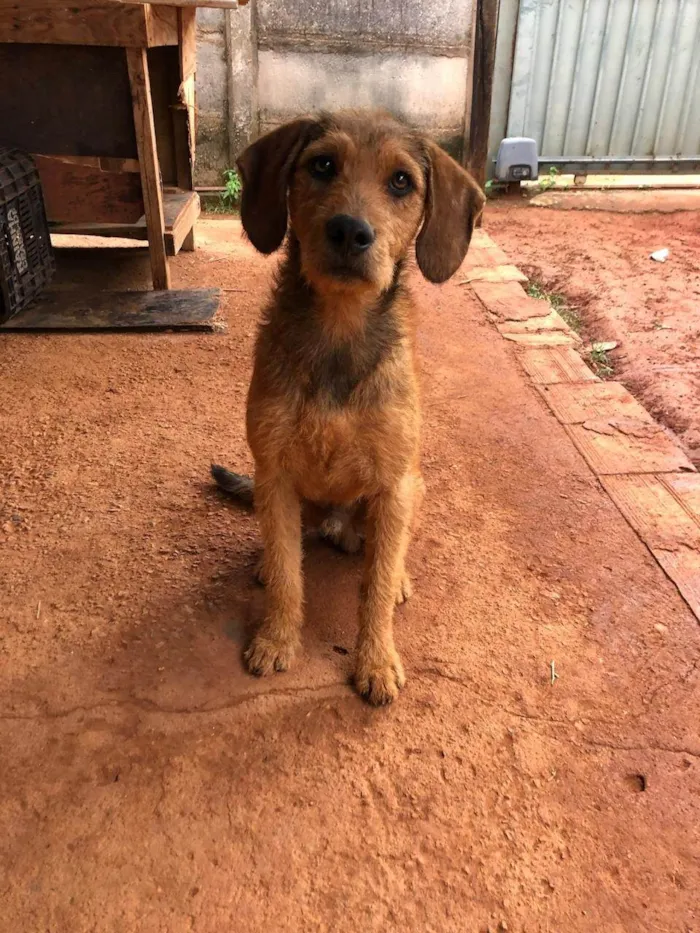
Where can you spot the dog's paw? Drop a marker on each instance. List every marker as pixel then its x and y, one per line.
pixel 379 682
pixel 265 654
pixel 404 590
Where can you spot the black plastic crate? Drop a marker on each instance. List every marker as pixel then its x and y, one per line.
pixel 26 258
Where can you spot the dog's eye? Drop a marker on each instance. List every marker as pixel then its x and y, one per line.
pixel 400 183
pixel 322 167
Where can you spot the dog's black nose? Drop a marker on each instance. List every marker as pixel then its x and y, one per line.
pixel 349 235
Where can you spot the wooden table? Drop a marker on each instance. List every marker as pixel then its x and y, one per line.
pixel 102 94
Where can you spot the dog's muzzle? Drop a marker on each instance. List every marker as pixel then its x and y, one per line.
pixel 348 240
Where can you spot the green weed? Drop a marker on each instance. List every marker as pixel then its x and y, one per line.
pixel 600 361
pixel 549 180
pixel 558 302
pixel 231 195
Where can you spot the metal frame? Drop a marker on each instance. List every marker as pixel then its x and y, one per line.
pixel 633 164
pixel 604 86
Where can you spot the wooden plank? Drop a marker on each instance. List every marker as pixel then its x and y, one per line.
pixel 179 226
pixel 187 35
pixel 66 100
pixel 135 231
pixel 627 446
pixel 481 240
pixel 188 99
pixel 189 244
pixel 162 25
pixel 683 567
pixel 484 66
pixel 550 338
pixel 104 24
pixel 653 511
pixel 148 160
pixel 508 302
pixel 659 510
pixel 95 162
pixel 485 256
pixel 537 325
pixel 507 273
pixel 182 137
pixel 184 113
pixel 75 193
pixel 686 488
pixel 210 4
pixel 551 365
pixel 83 4
pixel 74 309
pixel 107 24
pixel 183 118
pixel 164 79
pixel 574 404
pixel 180 212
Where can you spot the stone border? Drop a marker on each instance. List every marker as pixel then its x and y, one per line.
pixel 639 464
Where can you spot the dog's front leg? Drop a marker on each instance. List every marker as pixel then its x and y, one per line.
pixel 379 675
pixel 279 513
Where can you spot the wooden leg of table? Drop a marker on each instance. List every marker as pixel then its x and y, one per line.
pixel 188 244
pixel 148 161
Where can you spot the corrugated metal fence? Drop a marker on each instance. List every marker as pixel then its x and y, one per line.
pixel 602 85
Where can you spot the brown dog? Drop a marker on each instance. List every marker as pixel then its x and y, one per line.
pixel 333 408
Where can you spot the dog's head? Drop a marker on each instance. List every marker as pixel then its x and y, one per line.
pixel 356 189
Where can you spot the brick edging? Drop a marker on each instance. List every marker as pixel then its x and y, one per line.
pixel 639 464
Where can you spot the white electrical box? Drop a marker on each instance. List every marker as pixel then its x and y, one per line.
pixel 517 159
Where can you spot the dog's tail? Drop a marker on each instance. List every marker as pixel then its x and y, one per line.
pixel 236 485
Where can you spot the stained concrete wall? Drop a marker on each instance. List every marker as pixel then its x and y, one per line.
pixel 212 153
pixel 265 63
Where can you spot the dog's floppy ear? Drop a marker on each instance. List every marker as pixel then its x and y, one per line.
pixel 453 203
pixel 265 168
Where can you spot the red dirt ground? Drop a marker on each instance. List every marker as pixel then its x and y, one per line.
pixel 148 783
pixel 600 261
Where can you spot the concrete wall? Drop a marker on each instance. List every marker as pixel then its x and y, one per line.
pixel 265 63
pixel 212 155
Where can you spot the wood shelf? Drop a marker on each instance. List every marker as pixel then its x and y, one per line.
pixel 106 24
pixel 113 122
pixel 180 208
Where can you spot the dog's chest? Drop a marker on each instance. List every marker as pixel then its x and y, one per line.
pixel 331 372
pixel 331 457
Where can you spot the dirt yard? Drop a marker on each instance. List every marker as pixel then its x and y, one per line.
pixel 149 784
pixel 599 260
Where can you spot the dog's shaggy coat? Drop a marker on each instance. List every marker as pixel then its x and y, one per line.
pixel 333 409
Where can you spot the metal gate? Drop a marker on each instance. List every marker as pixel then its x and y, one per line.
pixel 602 85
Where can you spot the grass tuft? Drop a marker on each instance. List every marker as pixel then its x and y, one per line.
pixel 558 302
